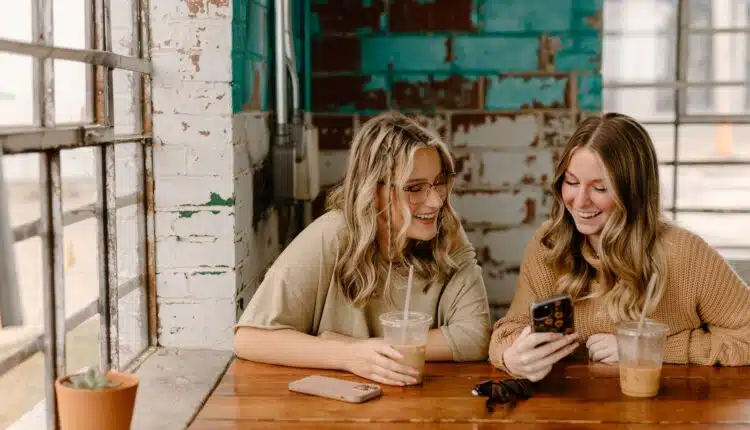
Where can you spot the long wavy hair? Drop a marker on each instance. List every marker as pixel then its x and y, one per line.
pixel 631 248
pixel 382 155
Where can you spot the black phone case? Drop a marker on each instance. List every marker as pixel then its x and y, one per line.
pixel 554 315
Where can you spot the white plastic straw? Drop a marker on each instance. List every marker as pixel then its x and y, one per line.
pixel 646 304
pixel 408 298
pixel 649 293
pixel 408 293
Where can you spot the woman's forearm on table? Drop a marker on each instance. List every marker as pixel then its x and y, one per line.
pixel 288 347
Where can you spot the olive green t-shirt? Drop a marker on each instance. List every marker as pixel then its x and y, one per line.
pixel 299 292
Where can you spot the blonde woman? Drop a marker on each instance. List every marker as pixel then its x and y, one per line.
pixel 605 238
pixel 318 305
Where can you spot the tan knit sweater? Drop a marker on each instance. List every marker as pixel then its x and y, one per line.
pixel 702 292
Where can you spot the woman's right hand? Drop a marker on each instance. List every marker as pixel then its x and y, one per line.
pixel 376 360
pixel 527 359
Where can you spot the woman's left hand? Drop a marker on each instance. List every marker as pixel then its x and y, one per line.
pixel 603 348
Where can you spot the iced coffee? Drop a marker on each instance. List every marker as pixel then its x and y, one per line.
pixel 407 334
pixel 641 354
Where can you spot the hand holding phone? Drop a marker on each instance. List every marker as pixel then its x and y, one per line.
pixel 549 338
pixel 334 388
pixel 554 314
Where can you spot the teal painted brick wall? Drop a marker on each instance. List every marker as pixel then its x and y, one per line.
pixel 251 55
pixel 504 82
pixel 401 46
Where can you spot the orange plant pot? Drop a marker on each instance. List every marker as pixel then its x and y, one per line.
pixel 110 409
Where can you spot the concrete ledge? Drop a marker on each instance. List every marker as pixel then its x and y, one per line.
pixel 174 385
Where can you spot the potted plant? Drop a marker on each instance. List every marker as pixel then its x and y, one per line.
pixel 96 400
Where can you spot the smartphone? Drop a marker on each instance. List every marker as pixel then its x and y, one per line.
pixel 334 388
pixel 554 314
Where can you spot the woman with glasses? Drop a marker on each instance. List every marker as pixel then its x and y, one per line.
pixel 319 304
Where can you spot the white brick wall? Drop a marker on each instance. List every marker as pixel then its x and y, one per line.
pixel 194 175
pixel 210 249
pixel 505 161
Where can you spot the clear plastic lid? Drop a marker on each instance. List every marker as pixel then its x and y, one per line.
pixel 650 328
pixel 396 319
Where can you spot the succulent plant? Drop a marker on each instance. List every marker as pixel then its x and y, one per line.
pixel 91 379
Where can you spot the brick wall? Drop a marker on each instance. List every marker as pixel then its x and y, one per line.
pixel 211 141
pixel 257 222
pixel 503 81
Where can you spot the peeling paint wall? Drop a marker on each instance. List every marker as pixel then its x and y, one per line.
pixel 505 82
pixel 206 154
pixel 257 222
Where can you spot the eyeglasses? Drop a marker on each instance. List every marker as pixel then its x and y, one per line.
pixel 419 193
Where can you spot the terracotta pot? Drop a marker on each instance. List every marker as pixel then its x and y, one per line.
pixel 110 409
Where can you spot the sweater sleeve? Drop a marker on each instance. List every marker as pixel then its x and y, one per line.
pixel 723 305
pixel 465 315
pixel 295 285
pixel 535 277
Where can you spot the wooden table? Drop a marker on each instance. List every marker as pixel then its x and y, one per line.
pixel 574 396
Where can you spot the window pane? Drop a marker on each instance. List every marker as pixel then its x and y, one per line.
pixel 25 381
pixel 721 100
pixel 717 57
pixel 72 92
pixel 16 89
pixel 73 80
pixel 639 58
pixel 15 21
pixel 22 175
pixel 644 104
pixel 717 142
pixel 81 260
pixel 666 189
pixel 71 26
pixel 729 233
pixel 23 405
pixel 718 13
pixel 711 187
pixel 701 51
pixel 663 138
pixel 132 305
pixel 127 111
pixel 121 17
pixel 626 16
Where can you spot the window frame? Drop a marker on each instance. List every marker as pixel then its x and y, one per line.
pixel 679 85
pixel 48 140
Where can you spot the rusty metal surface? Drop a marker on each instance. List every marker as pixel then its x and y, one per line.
pixel 144 42
pixel 53 273
pixel 108 299
pixel 109 91
pixel 147 171
pixel 148 207
pixel 108 59
pixel 142 228
pixel 34 139
pixel 51 213
pixel 102 266
pixel 99 71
